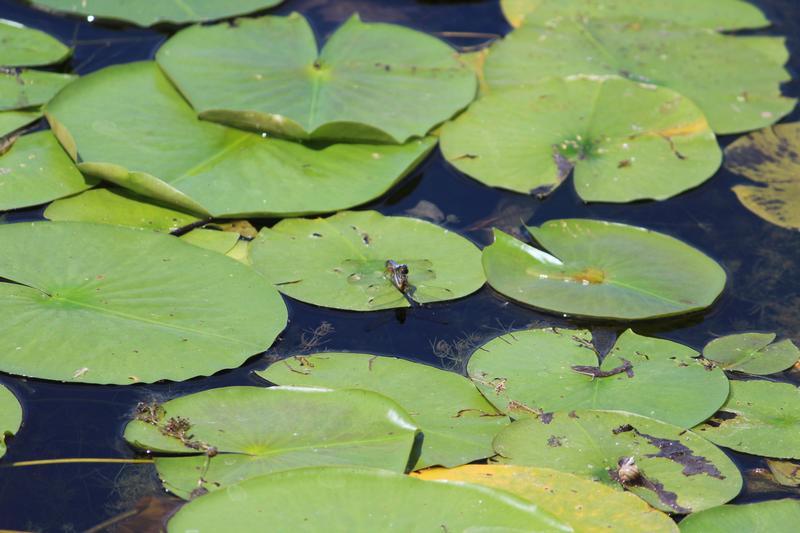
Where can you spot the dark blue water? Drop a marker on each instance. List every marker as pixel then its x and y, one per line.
pixel 762 261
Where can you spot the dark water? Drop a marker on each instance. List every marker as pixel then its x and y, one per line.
pixel 60 420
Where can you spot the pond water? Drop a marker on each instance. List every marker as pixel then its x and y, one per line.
pixel 83 421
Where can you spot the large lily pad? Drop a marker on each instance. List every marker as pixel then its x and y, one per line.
pixel 163 151
pixel 370 82
pixel 457 423
pixel 10 121
pixel 670 468
pixel 10 416
pixel 713 14
pixel 625 140
pixel 779 516
pixel 603 269
pixel 341 261
pixel 223 436
pixel 359 500
pixel 27 47
pixel 760 418
pixel 734 80
pixel 36 170
pixel 120 207
pixel 770 158
pixel 95 303
pixel 754 353
pixel 587 506
pixel 149 12
pixel 534 372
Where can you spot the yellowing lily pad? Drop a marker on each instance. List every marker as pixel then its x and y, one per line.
pixel 602 269
pixel 28 47
pixel 534 372
pixel 457 423
pixel 626 141
pixel 221 242
pixel 345 261
pixel 779 516
pixel 770 158
pixel 222 436
pixel 10 416
pixel 753 353
pixel 370 82
pixel 670 468
pixel 786 473
pixel 163 151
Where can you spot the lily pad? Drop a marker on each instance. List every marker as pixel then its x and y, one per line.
pixel 341 261
pixel 759 418
pixel 11 121
pixel 786 473
pixel 359 500
pixel 457 423
pixel 587 506
pixel 753 353
pixel 734 80
pixel 29 88
pixel 779 516
pixel 670 468
pixel 94 303
pixel 120 207
pixel 770 158
pixel 26 47
pixel 603 269
pixel 221 242
pixel 36 170
pixel 626 141
pixel 230 434
pixel 10 416
pixel 165 152
pixel 713 14
pixel 537 371
pixel 370 82
pixel 148 13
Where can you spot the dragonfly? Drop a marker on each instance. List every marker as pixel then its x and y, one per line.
pixel 387 282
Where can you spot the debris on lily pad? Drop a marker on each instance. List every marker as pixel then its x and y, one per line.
pixel 457 423
pixel 28 47
pixel 535 372
pixel 672 469
pixel 777 516
pixel 603 269
pixel 752 353
pixel 216 438
pixel 759 418
pixel 364 261
pixel 770 158
pixel 10 416
pixel 359 500
pixel 587 506
pixel 163 151
pixel 95 303
pixel 371 82
pixel 625 141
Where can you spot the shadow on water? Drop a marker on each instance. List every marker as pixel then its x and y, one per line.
pixel 763 291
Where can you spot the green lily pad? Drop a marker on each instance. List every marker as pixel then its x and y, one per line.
pixel 164 152
pixel 626 141
pixel 370 82
pixel 230 434
pixel 240 252
pixel 359 500
pixel 713 14
pixel 94 303
pixel 754 353
pixel 457 423
pixel 603 269
pixel 148 13
pixel 36 170
pixel 341 261
pixel 221 242
pixel 10 416
pixel 587 506
pixel 670 468
pixel 120 207
pixel 759 418
pixel 778 516
pixel 770 158
pixel 27 47
pixel 29 88
pixel 11 121
pixel 734 81
pixel 534 372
